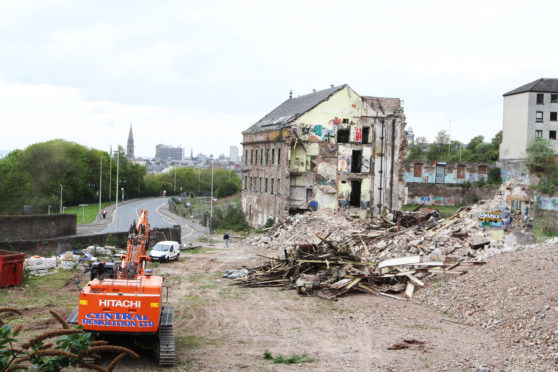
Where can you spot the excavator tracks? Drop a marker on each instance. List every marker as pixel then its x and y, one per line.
pixel 164 346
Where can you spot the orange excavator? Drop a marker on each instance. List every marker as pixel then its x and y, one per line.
pixel 126 299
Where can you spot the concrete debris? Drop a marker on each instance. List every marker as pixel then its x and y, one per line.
pixel 236 274
pixel 321 250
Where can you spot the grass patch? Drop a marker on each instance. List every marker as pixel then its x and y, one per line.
pixel 194 342
pixel 199 250
pixel 91 211
pixel 445 210
pixel 291 359
pixel 203 280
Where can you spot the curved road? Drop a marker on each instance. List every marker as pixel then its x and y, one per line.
pixel 129 212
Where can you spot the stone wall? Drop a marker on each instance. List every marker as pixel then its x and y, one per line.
pixel 55 246
pixel 444 194
pixel 36 226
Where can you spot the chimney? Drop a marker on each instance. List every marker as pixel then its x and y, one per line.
pixel 331 85
pixel 313 90
pixel 291 94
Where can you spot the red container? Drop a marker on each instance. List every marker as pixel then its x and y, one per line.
pixel 11 268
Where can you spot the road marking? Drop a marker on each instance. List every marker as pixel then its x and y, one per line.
pixel 161 214
pixel 191 232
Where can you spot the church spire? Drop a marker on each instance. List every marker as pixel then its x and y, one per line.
pixel 130 146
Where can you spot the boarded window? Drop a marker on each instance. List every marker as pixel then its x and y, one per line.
pixel 483 169
pixel 343 135
pixel 460 172
pixel 417 171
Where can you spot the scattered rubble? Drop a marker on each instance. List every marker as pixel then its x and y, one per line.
pixel 330 254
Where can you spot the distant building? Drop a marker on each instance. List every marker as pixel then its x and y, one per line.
pixel 166 153
pixel 410 135
pixel 130 145
pixel 234 154
pixel 530 111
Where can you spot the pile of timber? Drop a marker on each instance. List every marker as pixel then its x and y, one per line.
pixel 328 271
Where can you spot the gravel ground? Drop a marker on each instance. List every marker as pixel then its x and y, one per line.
pixel 515 297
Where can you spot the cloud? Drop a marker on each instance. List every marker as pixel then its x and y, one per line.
pixel 36 113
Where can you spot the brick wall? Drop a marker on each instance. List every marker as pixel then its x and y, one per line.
pixel 444 194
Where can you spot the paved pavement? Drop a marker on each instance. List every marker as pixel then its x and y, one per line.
pixel 159 216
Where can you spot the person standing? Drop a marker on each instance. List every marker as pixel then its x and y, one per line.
pixel 104 213
pixel 226 239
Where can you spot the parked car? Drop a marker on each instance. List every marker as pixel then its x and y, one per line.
pixel 165 251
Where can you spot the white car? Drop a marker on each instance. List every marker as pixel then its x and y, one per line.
pixel 165 251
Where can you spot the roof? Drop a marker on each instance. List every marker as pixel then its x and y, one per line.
pixel 293 108
pixel 540 85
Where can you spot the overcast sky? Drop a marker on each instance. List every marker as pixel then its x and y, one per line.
pixel 197 73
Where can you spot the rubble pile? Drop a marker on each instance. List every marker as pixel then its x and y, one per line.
pixel 41 266
pixel 336 255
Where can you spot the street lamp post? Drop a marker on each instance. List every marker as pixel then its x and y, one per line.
pixel 116 206
pixel 100 183
pixel 110 175
pixel 61 188
pixel 83 212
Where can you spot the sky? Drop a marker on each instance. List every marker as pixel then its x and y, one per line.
pixel 197 73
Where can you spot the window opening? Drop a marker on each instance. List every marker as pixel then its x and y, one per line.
pixel 272 156
pixel 356 161
pixel 343 135
pixel 554 98
pixel 540 99
pixel 539 116
pixel 553 116
pixel 355 193
pixel 538 134
pixel 265 185
pixel 272 184
pixel 552 134
pixel 483 169
pixel 365 135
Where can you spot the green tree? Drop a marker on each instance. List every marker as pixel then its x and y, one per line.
pixel 540 156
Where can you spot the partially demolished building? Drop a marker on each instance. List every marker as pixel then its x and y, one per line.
pixel 327 149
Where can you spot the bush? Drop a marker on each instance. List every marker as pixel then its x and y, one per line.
pixel 269 223
pixel 494 176
pixel 469 199
pixel 231 219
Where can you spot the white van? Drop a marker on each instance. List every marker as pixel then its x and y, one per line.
pixel 165 251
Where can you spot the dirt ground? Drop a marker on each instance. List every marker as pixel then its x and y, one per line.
pixel 500 316
pixel 219 327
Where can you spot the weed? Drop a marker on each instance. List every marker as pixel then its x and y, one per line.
pixel 292 359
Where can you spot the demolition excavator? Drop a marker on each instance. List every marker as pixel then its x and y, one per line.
pixel 125 299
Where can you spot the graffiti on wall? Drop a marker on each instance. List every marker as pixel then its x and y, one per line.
pixel 490 219
pixel 358 134
pixel 515 174
pixel 344 162
pixel 314 133
pixel 548 203
pixel 433 200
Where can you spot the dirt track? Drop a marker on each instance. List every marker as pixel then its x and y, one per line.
pixel 228 328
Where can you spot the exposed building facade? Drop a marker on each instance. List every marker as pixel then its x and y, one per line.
pixel 167 153
pixel 332 147
pixel 130 145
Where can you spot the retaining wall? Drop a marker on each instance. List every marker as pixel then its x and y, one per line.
pixel 37 226
pixel 444 194
pixel 55 246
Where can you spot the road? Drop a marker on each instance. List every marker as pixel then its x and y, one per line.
pixel 128 213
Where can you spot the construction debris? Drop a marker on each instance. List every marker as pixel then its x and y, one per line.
pixel 328 254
